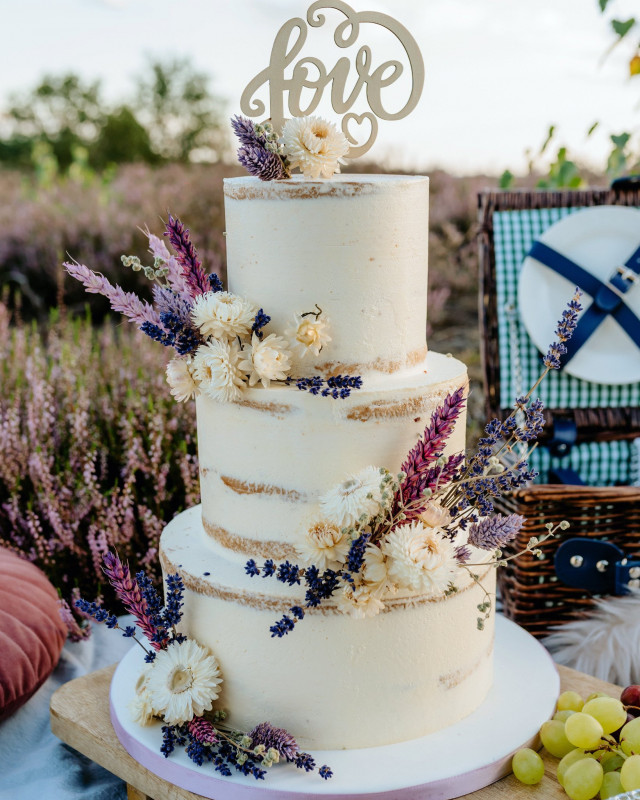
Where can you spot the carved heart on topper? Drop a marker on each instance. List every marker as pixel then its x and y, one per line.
pixel 310 74
pixel 358 146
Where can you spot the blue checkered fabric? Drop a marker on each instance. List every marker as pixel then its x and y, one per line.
pixel 601 463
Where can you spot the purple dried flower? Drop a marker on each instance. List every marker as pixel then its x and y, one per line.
pixel 192 271
pixel 278 738
pixel 126 303
pixel 566 327
pixel 262 163
pixel 202 731
pixel 494 532
pixel 245 130
pixel 463 554
pixel 130 593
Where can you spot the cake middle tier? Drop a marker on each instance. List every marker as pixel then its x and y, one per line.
pixel 266 460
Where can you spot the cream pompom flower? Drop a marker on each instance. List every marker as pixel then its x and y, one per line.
pixel 374 570
pixel 358 601
pixel 420 558
pixel 435 515
pixel 309 333
pixel 314 146
pixel 360 494
pixel 180 380
pixel 266 360
pixel 183 682
pixel 324 545
pixel 215 367
pixel 222 315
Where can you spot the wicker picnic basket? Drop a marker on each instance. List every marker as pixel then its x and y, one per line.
pixel 603 428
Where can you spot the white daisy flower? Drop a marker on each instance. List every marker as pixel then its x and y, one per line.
pixel 435 515
pixel 308 334
pixel 222 315
pixel 358 601
pixel 180 380
pixel 215 367
pixel 183 682
pixel 324 546
pixel 314 146
pixel 267 360
pixel 420 558
pixel 348 501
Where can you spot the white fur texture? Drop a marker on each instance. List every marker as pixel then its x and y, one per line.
pixel 606 644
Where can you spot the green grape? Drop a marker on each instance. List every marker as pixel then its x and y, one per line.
pixel 563 716
pixel 583 780
pixel 610 761
pixel 630 774
pixel 610 713
pixel 611 785
pixel 554 739
pixel 583 730
pixel 527 766
pixel 568 761
pixel 593 696
pixel 570 701
pixel 630 737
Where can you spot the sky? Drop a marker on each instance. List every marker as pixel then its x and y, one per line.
pixel 497 72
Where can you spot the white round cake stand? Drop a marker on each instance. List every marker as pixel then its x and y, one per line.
pixel 451 762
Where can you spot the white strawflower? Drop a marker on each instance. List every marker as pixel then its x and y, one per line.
pixel 215 367
pixel 183 682
pixel 222 315
pixel 314 146
pixel 348 501
pixel 420 558
pixel 435 515
pixel 324 546
pixel 179 378
pixel 141 709
pixel 267 360
pixel 374 570
pixel 309 334
pixel 358 601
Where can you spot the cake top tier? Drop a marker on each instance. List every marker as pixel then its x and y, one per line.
pixel 355 246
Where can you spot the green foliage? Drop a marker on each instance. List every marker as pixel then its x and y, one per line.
pixel 563 173
pixel 172 116
pixel 622 27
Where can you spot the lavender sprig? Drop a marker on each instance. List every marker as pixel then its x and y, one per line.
pixel 336 387
pixel 193 273
pixel 566 327
pixel 259 322
pixel 262 163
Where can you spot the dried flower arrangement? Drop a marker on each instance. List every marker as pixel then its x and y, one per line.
pixel 378 533
pixel 311 144
pixel 218 336
pixel 182 680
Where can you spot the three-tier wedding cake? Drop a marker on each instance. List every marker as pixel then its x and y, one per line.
pixel 355 248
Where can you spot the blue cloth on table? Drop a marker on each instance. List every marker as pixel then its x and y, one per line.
pixel 35 764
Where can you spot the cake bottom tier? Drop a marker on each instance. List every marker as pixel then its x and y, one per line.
pixel 334 682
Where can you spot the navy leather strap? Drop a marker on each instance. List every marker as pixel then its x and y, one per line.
pixel 608 299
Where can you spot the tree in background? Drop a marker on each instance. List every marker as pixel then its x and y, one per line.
pixel 176 118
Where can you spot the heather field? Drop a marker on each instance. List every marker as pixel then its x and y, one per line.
pixel 96 454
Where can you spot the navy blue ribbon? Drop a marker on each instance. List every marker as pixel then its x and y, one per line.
pixel 608 298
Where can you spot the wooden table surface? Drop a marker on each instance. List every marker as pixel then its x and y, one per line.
pixel 80 717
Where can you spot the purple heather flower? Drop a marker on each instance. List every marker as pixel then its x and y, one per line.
pixel 245 130
pixel 278 738
pixel 463 554
pixel 262 163
pixel 202 731
pixel 494 532
pixel 566 326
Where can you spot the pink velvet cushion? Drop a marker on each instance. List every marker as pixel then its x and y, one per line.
pixel 31 631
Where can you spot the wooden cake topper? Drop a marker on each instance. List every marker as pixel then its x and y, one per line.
pixel 288 44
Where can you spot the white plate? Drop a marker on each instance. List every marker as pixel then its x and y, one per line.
pixel 598 239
